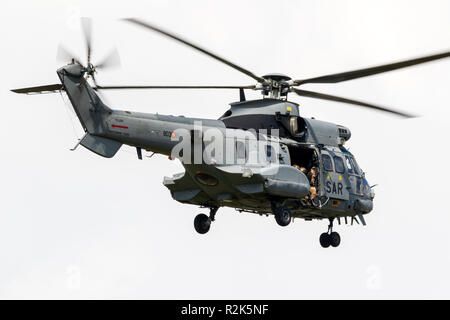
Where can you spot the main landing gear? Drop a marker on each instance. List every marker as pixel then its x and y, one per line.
pixel 330 237
pixel 282 215
pixel 202 223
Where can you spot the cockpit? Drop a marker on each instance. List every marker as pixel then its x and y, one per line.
pixel 345 163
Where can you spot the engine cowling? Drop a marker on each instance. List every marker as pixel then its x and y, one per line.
pixel 344 132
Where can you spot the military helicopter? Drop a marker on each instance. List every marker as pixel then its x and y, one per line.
pixel 304 171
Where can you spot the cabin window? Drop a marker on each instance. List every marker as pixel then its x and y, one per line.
pixel 270 153
pixel 339 164
pixel 240 150
pixel 327 164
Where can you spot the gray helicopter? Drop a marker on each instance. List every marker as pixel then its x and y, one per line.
pixel 271 161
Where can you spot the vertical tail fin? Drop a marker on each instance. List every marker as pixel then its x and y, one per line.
pixel 87 104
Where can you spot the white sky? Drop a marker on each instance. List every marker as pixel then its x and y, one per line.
pixel 75 225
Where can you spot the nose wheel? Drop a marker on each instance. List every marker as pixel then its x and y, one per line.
pixel 202 222
pixel 330 238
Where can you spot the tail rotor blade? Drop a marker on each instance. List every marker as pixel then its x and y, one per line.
pixel 66 56
pixel 95 81
pixel 97 89
pixel 110 61
pixel 86 25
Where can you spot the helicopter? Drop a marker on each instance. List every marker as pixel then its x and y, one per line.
pixel 261 156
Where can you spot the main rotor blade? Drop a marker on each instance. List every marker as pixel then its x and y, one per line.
pixel 86 25
pixel 209 53
pixel 111 60
pixel 173 87
pixel 344 76
pixel 317 95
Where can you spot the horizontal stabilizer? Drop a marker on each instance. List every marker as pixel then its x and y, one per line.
pixel 41 89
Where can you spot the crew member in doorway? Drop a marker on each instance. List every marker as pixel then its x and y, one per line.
pixel 312 175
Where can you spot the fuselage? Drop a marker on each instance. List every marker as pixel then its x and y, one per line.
pixel 265 137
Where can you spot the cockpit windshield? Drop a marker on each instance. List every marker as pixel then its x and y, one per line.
pixel 352 166
pixel 355 167
pixel 366 188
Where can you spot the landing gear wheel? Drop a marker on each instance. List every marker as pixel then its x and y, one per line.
pixel 330 238
pixel 335 239
pixel 325 240
pixel 202 223
pixel 283 216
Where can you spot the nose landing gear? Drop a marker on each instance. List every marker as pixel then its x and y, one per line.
pixel 202 223
pixel 330 237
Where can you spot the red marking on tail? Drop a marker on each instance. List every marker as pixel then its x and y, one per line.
pixel 117 126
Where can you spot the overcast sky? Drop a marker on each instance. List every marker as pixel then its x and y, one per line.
pixel 75 225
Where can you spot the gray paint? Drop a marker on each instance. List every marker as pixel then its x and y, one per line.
pixel 253 191
pixel 264 106
pixel 321 132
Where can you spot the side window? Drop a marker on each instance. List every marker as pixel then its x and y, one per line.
pixel 339 164
pixel 240 150
pixel 349 165
pixel 327 164
pixel 270 154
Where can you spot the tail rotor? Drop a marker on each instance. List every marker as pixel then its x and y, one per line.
pixel 109 61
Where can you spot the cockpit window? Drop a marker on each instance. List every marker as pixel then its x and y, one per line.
pixel 339 164
pixel 349 165
pixel 327 164
pixel 352 166
pixel 366 188
pixel 356 169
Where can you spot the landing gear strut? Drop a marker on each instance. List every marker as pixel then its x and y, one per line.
pixel 330 237
pixel 202 223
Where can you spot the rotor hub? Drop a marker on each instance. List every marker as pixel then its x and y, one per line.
pixel 276 77
pixel 276 86
pixel 90 69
